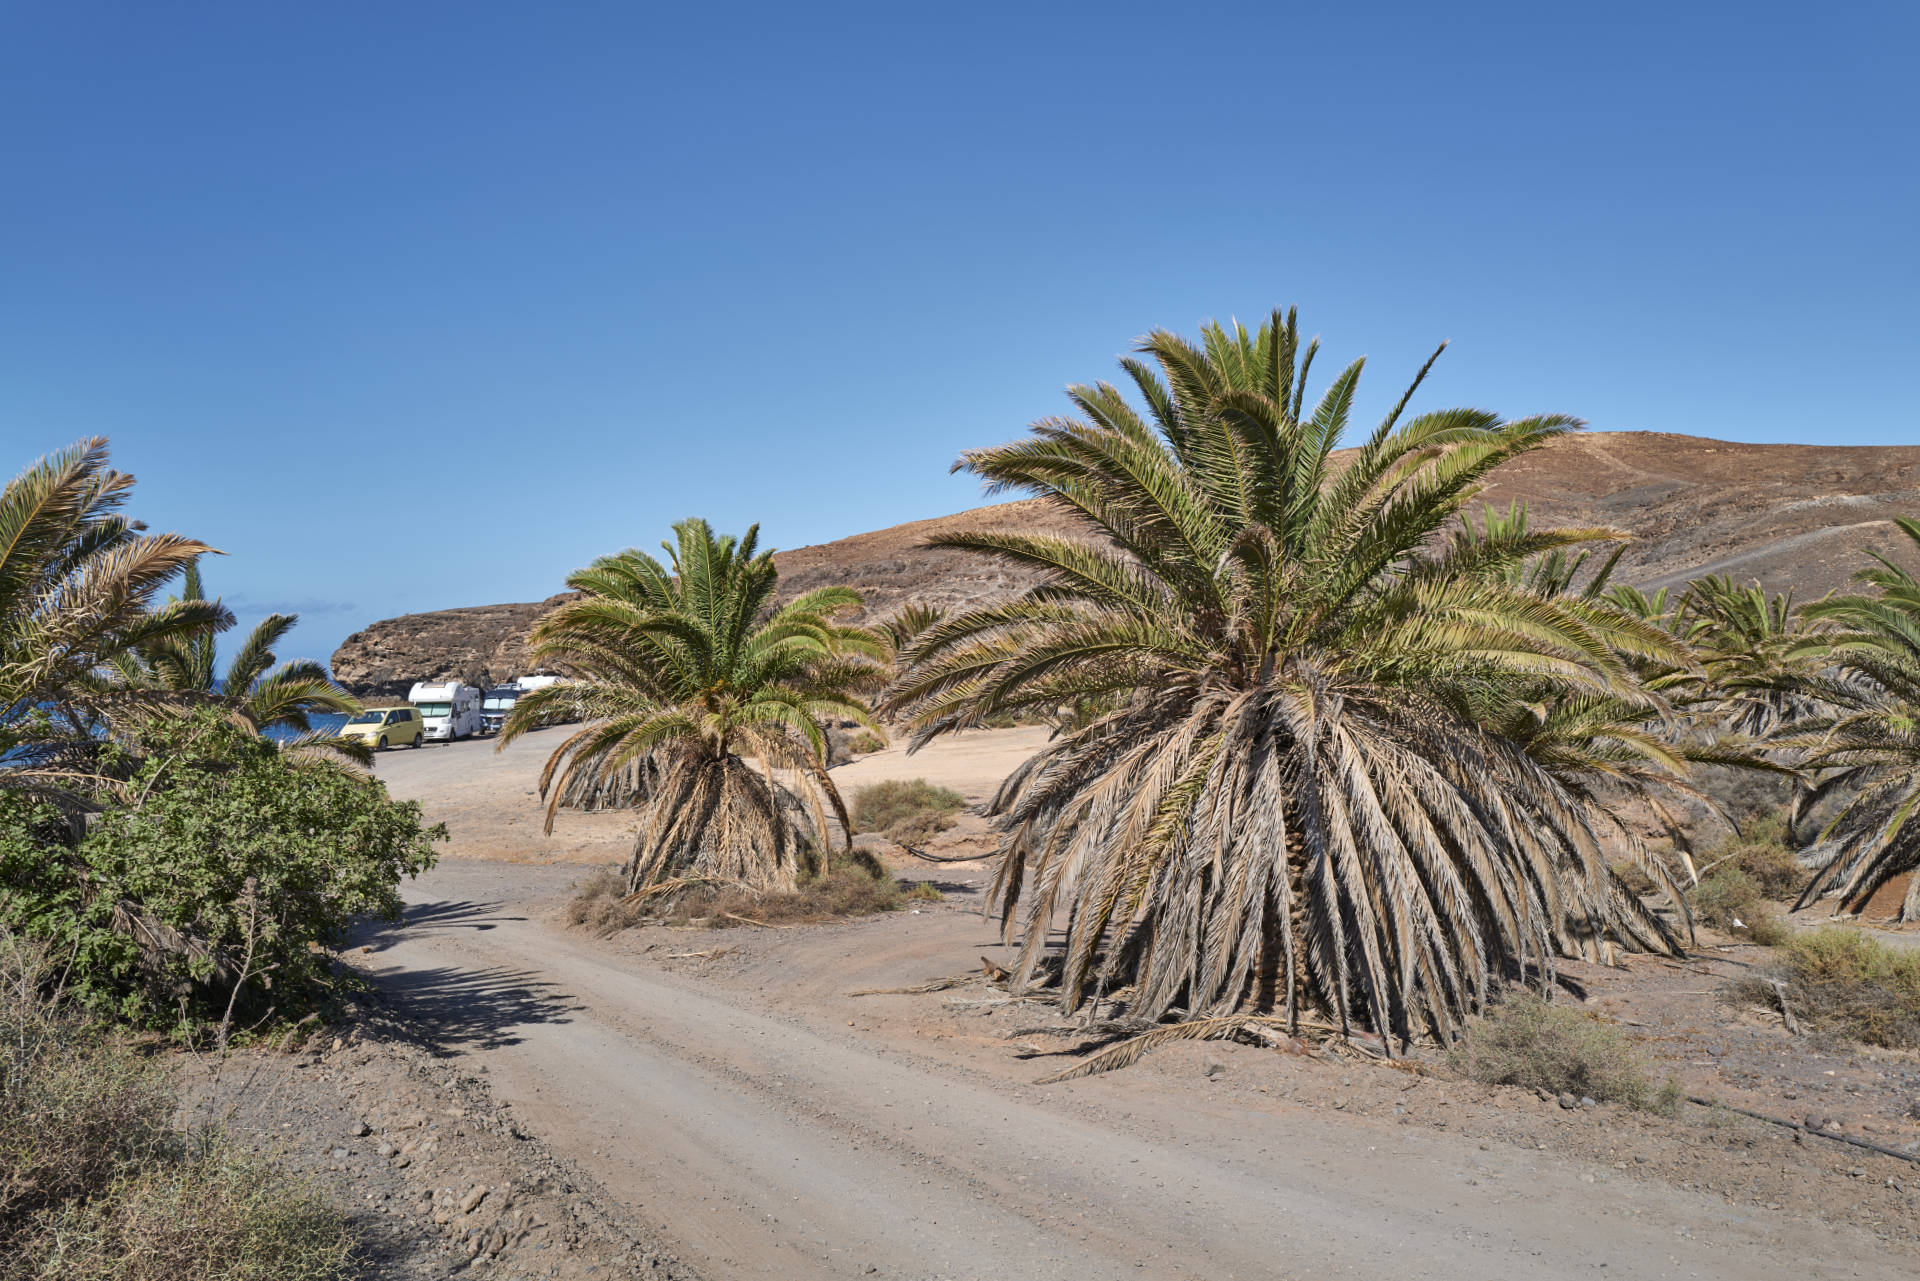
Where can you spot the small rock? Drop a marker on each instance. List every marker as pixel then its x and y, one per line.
pixel 1587 1101
pixel 1568 1102
pixel 1213 1069
pixel 339 1154
pixel 472 1199
pixel 360 1130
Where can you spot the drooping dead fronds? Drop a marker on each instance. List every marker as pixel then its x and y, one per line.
pixel 1289 795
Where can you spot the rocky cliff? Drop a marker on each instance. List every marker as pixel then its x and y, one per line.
pixel 1789 516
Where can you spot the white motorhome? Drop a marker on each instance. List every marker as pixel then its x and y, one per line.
pixel 449 710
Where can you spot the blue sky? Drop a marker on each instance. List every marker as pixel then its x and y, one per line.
pixel 414 306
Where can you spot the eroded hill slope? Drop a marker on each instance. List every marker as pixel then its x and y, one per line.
pixel 1788 516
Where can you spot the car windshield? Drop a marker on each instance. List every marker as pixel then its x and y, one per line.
pixel 368 718
pixel 434 709
pixel 502 704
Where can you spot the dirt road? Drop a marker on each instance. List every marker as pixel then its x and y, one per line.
pixel 769 1125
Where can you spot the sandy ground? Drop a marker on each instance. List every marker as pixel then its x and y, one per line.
pixel 490 800
pixel 729 1091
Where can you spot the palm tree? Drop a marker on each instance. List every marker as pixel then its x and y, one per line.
pixel 1759 658
pixel 263 696
pixel 1868 744
pixel 77 586
pixel 1296 805
pixel 698 693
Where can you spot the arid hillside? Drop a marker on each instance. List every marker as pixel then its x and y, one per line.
pixel 1798 516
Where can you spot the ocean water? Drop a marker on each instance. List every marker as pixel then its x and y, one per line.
pixel 323 722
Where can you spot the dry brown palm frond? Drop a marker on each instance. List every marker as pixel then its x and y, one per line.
pixel 922 989
pixel 1268 1030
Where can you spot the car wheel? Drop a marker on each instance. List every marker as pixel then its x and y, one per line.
pixel 383 744
pixel 418 739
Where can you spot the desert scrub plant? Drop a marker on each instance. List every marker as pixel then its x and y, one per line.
pixel 1730 899
pixel 97 1183
pixel 212 1213
pixel 843 892
pixel 1531 1042
pixel 867 741
pixel 231 869
pixel 600 904
pixel 1844 981
pixel 1761 850
pixel 906 810
pixel 1742 878
pixel 77 1109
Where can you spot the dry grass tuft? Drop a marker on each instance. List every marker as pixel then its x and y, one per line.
pixel 97 1183
pixel 213 1214
pixel 866 741
pixel 909 811
pixel 1527 1041
pixel 1844 981
pixel 600 905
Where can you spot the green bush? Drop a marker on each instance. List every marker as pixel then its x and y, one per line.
pixel 907 810
pixel 232 863
pixel 1845 981
pixel 96 1183
pixel 1527 1041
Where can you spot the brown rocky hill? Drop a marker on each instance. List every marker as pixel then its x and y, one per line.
pixel 1788 516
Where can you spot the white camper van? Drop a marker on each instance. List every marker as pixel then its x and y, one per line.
pixel 449 709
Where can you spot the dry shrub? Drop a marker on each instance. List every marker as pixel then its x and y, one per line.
pixel 1527 1041
pixel 909 811
pixel 77 1109
pixel 866 741
pixel 96 1183
pixel 1761 851
pixel 600 904
pixel 1842 980
pixel 1746 874
pixel 211 1214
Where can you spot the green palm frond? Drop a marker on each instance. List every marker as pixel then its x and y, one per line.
pixel 78 583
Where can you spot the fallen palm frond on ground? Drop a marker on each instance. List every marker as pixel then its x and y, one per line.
pixel 1278 1033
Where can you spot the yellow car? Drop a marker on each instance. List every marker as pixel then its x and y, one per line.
pixel 383 727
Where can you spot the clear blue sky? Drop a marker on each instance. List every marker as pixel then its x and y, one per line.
pixel 408 306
